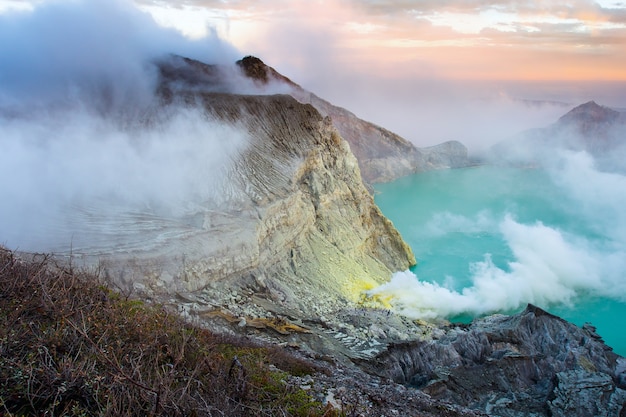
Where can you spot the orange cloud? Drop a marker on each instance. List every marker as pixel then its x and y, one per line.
pixel 538 40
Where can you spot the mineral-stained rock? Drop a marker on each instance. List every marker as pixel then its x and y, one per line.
pixel 295 224
pixel 532 363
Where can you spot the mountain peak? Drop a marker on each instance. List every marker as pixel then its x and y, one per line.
pixel 254 68
pixel 590 104
pixel 257 70
pixel 589 112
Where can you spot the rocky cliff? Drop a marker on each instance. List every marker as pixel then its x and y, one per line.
pixel 294 226
pixel 382 155
pixel 532 363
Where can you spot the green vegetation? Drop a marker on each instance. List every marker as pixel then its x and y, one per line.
pixel 70 346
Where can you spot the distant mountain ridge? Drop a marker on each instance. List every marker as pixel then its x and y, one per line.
pixel 589 112
pixel 600 128
pixel 383 155
pixel 590 127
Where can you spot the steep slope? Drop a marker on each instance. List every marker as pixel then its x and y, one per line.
pixel 382 155
pixel 295 225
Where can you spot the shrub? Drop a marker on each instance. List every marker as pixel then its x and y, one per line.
pixel 71 346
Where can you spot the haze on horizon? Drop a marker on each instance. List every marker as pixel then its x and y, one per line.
pixel 431 71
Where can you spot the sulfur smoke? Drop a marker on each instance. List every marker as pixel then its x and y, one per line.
pixel 548 265
pixel 88 151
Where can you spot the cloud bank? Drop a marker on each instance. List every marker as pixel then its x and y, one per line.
pixel 64 49
pixel 87 149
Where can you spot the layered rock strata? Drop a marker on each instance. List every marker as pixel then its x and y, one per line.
pixel 294 220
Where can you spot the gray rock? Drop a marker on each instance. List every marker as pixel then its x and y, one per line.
pixel 586 394
pixel 532 363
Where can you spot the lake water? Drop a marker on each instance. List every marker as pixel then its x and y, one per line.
pixel 492 239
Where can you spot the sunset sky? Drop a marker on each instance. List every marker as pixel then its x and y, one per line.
pixel 573 40
pixel 405 62
pixel 355 52
pixel 509 40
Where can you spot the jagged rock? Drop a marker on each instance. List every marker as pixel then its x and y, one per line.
pixel 527 364
pixel 256 69
pixel 588 394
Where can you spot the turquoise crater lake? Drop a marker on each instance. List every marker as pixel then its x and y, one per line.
pixel 491 239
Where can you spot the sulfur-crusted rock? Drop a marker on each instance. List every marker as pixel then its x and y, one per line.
pixel 295 223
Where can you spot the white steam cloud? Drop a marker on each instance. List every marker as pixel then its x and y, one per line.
pixel 64 49
pixel 550 266
pixel 87 151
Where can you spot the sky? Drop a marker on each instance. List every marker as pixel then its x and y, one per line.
pixel 428 61
pixel 573 40
pixel 430 69
pixel 92 159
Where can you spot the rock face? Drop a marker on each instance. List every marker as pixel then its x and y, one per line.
pixel 382 155
pixel 295 222
pixel 532 363
pixel 590 127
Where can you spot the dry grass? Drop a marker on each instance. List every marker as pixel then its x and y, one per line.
pixel 70 346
